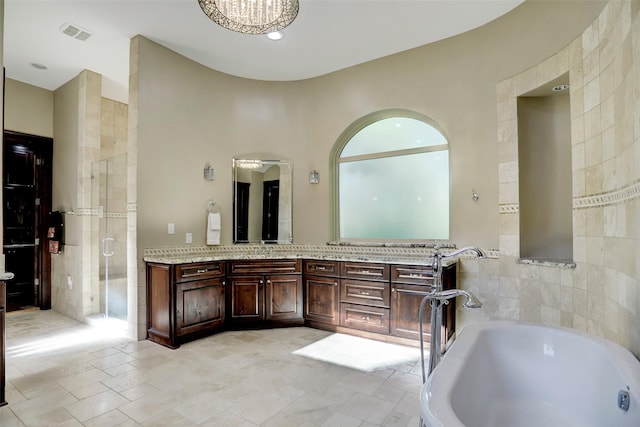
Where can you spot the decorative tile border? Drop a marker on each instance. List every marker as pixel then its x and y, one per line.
pixel 96 212
pixel 621 195
pixel 395 254
pixel 512 208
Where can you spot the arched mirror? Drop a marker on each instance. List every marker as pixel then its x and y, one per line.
pixel 262 194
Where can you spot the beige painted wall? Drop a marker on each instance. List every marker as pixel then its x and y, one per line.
pixel 189 115
pixel 65 158
pixel 28 109
pixel 65 186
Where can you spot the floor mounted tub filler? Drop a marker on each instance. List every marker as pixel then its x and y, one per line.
pixel 510 374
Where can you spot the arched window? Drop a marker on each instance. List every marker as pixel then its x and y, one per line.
pixel 392 179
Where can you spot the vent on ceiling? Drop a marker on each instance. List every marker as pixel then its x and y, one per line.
pixel 75 31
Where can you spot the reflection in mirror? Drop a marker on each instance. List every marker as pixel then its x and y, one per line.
pixel 262 194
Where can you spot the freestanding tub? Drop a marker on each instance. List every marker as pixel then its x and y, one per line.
pixel 509 374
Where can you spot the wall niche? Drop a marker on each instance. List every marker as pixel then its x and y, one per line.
pixel 545 173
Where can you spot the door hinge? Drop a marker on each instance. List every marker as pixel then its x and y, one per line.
pixel 37 201
pixel 37 242
pixel 36 282
pixel 39 162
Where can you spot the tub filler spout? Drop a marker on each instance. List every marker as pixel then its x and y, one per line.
pixel 437 298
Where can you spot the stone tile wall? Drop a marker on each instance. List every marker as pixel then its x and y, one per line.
pixel 601 294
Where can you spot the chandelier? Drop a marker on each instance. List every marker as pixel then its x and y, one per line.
pixel 251 16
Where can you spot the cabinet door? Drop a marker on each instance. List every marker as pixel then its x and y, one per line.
pixel 284 297
pixel 247 298
pixel 199 306
pixel 322 302
pixel 405 308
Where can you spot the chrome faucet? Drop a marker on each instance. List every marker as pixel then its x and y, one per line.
pixel 437 298
pixel 443 296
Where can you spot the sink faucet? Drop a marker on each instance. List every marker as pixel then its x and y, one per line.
pixel 437 298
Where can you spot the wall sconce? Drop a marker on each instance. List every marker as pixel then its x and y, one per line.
pixel 209 173
pixel 474 195
pixel 314 177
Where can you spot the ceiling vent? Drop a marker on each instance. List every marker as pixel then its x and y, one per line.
pixel 75 31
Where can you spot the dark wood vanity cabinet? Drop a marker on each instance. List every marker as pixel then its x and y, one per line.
pixel 184 301
pixel 365 296
pixel 321 291
pixel 375 300
pixel 409 285
pixel 265 292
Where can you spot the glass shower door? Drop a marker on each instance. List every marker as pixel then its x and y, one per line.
pixel 109 182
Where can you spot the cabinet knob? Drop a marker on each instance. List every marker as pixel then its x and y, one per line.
pixel 268 281
pixel 393 289
pixel 335 283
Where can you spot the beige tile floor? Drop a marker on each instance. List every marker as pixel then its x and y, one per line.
pixel 64 373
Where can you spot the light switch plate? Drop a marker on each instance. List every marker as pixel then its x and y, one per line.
pixel 171 228
pixel 189 238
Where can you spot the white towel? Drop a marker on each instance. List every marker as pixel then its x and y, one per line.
pixel 213 229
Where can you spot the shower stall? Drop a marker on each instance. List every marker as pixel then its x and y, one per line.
pixel 109 238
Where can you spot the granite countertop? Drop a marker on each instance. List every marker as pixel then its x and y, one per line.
pixel 412 254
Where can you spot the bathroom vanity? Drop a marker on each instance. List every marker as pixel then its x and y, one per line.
pixel 265 293
pixel 184 301
pixel 376 299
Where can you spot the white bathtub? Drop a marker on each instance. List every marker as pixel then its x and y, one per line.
pixel 507 374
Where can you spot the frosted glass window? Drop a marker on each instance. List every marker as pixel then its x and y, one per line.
pixel 395 133
pixel 394 188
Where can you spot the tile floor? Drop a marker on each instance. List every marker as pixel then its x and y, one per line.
pixel 64 373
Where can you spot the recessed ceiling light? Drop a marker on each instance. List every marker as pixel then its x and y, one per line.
pixel 560 88
pixel 38 66
pixel 274 35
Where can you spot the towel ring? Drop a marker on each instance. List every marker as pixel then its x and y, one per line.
pixel 212 207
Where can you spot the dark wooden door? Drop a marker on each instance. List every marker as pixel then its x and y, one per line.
pixel 405 307
pixel 241 217
pixel 247 298
pixel 322 302
pixel 26 210
pixel 199 305
pixel 284 297
pixel 270 210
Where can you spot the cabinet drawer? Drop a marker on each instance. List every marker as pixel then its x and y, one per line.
pixel 321 268
pixel 412 274
pixel 198 271
pixel 372 319
pixel 363 270
pixel 365 292
pixel 265 266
